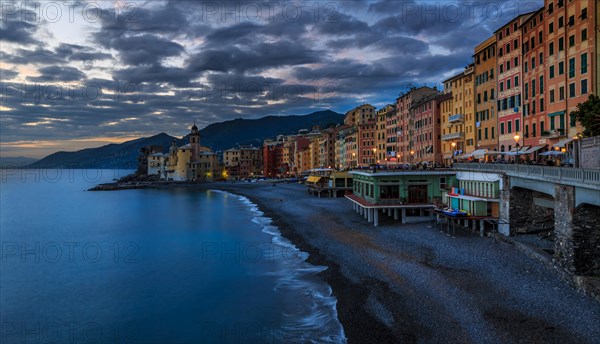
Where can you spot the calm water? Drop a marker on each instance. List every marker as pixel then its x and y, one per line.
pixel 149 266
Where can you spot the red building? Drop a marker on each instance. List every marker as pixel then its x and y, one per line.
pixel 534 80
pixel 425 114
pixel 273 166
pixel 366 143
pixel 510 79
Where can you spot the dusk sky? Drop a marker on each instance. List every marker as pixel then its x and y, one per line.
pixel 80 74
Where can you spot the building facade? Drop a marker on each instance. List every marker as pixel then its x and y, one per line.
pixel 485 95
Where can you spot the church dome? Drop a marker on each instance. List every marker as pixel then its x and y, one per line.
pixel 194 127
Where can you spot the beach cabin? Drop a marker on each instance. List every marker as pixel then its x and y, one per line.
pixel 328 182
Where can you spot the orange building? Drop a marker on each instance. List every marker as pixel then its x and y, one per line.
pixel 570 31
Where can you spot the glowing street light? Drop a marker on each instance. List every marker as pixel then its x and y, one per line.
pixel 517 137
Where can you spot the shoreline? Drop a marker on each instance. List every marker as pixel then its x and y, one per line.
pixel 410 283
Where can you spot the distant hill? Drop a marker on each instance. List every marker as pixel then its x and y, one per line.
pixel 224 135
pixel 218 136
pixel 123 155
pixel 15 161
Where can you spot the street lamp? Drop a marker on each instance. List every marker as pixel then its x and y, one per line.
pixel 412 156
pixel 353 159
pixel 453 144
pixel 517 137
pixel 374 152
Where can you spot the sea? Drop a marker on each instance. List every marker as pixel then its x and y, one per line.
pixel 150 266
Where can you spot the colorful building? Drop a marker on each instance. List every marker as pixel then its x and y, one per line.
pixel 425 114
pixel 534 80
pixel 510 77
pixel 459 134
pixel 405 124
pixel 383 116
pixel 485 95
pixel 571 33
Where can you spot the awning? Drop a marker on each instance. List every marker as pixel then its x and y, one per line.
pixel 557 113
pixel 313 179
pixel 562 143
pixel 480 153
pixel 552 153
pixel 533 149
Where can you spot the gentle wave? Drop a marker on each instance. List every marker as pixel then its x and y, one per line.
pixel 312 317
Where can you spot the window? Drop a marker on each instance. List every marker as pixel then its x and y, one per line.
pixel 572 41
pixel 584 35
pixel 492 93
pixel 533 88
pixel 516 62
pixel 525 65
pixel 508 84
pixel 551 8
pixel 541 104
pixel 500 50
pixel 542 126
pixel 584 86
pixel 501 128
pixel 551 49
pixel 516 81
pixel 501 86
pixel 485 133
pixel 541 84
pixel 533 107
pixel 509 126
pixel 517 125
pixel 540 37
pixel 551 28
pixel 571 21
pixel 561 22
pixel 583 15
pixel 551 71
pixel 532 62
pixel 516 42
pixel 526 130
pixel 493 132
pixel 541 58
pixel 507 65
pixel 507 48
pixel 526 91
pixel 500 35
pixel 501 68
pixel 572 90
pixel 515 27
pixel 561 93
pixel 572 67
pixel 479 134
pixel 533 131
pixel 561 44
pixel 561 68
pixel 584 63
pixel 551 96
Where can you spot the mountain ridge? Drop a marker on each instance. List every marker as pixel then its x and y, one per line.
pixel 219 136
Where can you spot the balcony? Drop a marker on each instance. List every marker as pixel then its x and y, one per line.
pixel 456 118
pixel 453 136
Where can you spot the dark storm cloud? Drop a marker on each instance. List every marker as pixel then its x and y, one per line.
pixel 57 74
pixel 17 25
pixel 7 74
pixel 254 57
pixel 63 54
pixel 143 49
pixel 154 73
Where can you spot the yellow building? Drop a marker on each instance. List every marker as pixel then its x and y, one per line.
pixel 461 124
pixel 360 115
pixel 486 119
pixel 383 116
pixel 446 110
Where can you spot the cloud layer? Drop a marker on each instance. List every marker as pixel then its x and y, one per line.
pixel 83 71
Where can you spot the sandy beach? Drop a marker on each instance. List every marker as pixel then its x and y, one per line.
pixel 410 283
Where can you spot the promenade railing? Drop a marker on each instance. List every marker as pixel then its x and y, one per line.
pixel 560 175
